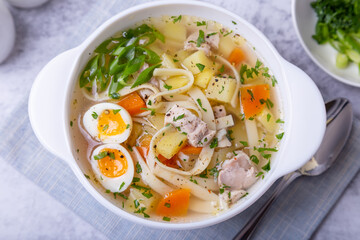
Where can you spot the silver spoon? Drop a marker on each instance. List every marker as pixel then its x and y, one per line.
pixel 339 122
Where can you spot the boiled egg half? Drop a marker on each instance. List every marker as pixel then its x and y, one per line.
pixel 108 123
pixel 113 167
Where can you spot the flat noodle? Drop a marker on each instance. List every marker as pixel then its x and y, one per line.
pixel 208 116
pixel 252 135
pixel 165 106
pixel 160 72
pixel 143 121
pixel 182 182
pixel 208 183
pixel 224 122
pixel 234 99
pixel 149 178
pixel 200 206
pixel 200 165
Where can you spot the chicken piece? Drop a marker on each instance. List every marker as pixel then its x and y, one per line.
pixel 196 130
pixel 237 173
pixel 219 111
pixel 223 141
pixel 145 94
pixel 232 196
pixel 210 42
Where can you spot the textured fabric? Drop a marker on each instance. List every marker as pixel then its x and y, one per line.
pixel 295 215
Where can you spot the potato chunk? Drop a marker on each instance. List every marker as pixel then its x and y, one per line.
pixel 167 61
pixel 198 57
pixel 171 143
pixel 174 31
pixel 141 198
pixel 203 78
pixel 221 89
pixel 267 119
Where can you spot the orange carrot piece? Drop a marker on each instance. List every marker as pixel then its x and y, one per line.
pixel 132 103
pixel 236 56
pixel 191 150
pixel 253 99
pixel 172 162
pixel 175 203
pixel 143 152
pixel 144 146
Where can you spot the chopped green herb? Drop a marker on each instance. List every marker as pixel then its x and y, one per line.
pixel 105 127
pixel 222 69
pixel 121 186
pixel 181 143
pixel 244 143
pixel 266 167
pixel 94 115
pixel 179 117
pixel 203 174
pixel 138 168
pixel 139 187
pixel 211 34
pixel 101 155
pixel 87 176
pixel 115 111
pixel 234 22
pixel 200 66
pixel 228 33
pixel 147 194
pixel 268 103
pixel 280 135
pixel 254 159
pixel 268 116
pixel 201 38
pixel 273 81
pixel 167 86
pixel 130 148
pixel 176 19
pixel 214 171
pixel 193 180
pixel 127 126
pixel 222 89
pixel 175 60
pixel 149 109
pixel 136 179
pixel 111 155
pixel 149 103
pixel 214 143
pixel 136 203
pixel 200 104
pixel 262 149
pixel 222 189
pixel 107 191
pixel 71 123
pixel 202 23
pixel 279 121
pixel 114 95
pixel 168 205
pixel 228 135
pixel 166 219
pixel 259 174
pixel 251 94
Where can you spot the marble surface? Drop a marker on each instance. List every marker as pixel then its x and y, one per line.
pixel 26 212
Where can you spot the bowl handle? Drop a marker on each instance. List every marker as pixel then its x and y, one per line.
pixel 307 123
pixel 47 103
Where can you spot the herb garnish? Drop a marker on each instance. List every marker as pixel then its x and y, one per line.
pixel 94 115
pixel 200 104
pixel 179 117
pixel 280 135
pixel 200 66
pixel 201 38
pixel 167 86
pixel 115 111
pixel 138 168
pixel 166 219
pixel 214 143
pixel 176 19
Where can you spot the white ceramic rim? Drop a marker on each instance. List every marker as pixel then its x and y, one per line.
pixel 287 96
pixel 307 50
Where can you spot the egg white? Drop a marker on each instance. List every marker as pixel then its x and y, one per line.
pixel 91 124
pixel 113 184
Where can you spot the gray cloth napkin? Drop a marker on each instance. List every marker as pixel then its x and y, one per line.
pixel 295 215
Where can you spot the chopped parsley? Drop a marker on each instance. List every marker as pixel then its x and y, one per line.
pixel 259 174
pixel 136 179
pixel 149 109
pixel 138 167
pixel 105 127
pixel 71 123
pixel 167 86
pixel 214 143
pixel 234 22
pixel 94 115
pixel 87 176
pixel 193 180
pixel 228 33
pixel 139 187
pixel 266 167
pixel 214 171
pixel 268 103
pixel 114 95
pixel 181 143
pixel 203 174
pixel 254 159
pixel 127 126
pixel 222 89
pixel 115 111
pixel 202 23
pixel 101 155
pixel 244 143
pixel 211 34
pixel 222 189
pixel 176 19
pixel 268 116
pixel 168 205
pixel 147 194
pixel 179 117
pixel 111 155
pixel 121 186
pixel 200 66
pixel 251 94
pixel 142 210
pixel 222 69
pixel 175 60
pixel 136 203
pixel 107 191
pixel 279 121
pixel 201 38
pixel 280 135
pixel 200 104
pixel 166 219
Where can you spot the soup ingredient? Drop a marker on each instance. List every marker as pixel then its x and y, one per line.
pixel 176 82
pixel 175 203
pixel 338 24
pixel 201 40
pixel 198 57
pixel 236 56
pixel 254 99
pixel 203 78
pixel 142 201
pixel 266 118
pixel 196 130
pixel 133 103
pixel 236 175
pixel 171 143
pixel 113 167
pixel 108 123
pixel 187 150
pixel 174 31
pixel 221 89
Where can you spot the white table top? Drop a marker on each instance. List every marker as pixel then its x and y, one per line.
pixel 28 212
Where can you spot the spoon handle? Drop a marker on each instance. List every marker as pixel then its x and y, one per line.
pixel 250 226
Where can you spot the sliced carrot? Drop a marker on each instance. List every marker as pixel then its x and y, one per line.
pixel 253 99
pixel 175 203
pixel 143 152
pixel 191 150
pixel 236 56
pixel 133 103
pixel 172 162
pixel 144 145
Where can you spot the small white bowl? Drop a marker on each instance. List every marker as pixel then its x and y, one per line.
pixel 301 101
pixel 304 19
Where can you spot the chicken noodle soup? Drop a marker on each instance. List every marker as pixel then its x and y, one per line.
pixel 176 118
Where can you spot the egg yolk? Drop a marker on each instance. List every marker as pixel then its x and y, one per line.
pixel 110 123
pixel 114 164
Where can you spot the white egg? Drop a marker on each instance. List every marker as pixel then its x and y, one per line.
pixel 108 123
pixel 114 167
